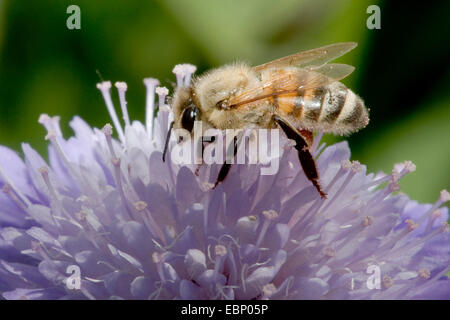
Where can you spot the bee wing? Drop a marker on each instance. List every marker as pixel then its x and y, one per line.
pixel 314 57
pixel 282 83
pixel 335 71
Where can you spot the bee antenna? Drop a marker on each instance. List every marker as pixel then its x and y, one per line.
pixel 166 145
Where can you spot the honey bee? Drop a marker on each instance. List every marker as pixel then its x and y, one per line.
pixel 300 93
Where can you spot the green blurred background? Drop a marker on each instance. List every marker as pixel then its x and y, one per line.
pixel 402 70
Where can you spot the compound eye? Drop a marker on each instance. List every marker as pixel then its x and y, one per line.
pixel 188 118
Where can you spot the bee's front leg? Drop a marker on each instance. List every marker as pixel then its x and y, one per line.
pixel 207 140
pixel 227 166
pixel 304 155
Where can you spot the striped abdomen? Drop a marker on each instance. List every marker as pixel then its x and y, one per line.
pixel 333 108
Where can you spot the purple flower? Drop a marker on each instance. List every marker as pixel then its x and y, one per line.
pixel 134 227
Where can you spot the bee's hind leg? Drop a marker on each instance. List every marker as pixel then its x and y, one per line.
pixel 304 155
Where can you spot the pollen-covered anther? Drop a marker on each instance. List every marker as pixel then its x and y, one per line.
pixel 6 188
pixel 436 214
pixel 445 196
pixel 269 289
pixel 395 176
pixel 140 205
pixel 356 166
pixel 179 69
pixel 404 168
pixel 183 73
pixel 82 198
pixel 329 252
pixel 409 166
pixel 115 161
pixel 220 250
pixel 387 282
pixel 170 230
pixel 270 214
pixel 346 164
pixel 121 85
pixel 44 118
pixel 151 82
pixel 107 129
pixel 445 227
pixel 157 257
pixel 367 221
pixel 424 273
pixel 105 85
pixel 43 170
pixel 394 186
pixel 162 92
pixel 35 246
pixel 81 215
pixel 104 88
pixel 122 88
pixel 50 134
pixel 411 225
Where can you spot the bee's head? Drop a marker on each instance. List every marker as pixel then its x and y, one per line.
pixel 185 110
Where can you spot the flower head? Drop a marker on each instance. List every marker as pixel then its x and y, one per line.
pixel 136 227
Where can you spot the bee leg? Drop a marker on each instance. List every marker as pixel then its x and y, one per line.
pixel 304 155
pixel 207 140
pixel 227 166
pixel 308 136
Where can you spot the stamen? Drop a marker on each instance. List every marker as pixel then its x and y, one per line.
pixel 268 290
pixel 8 190
pixel 140 205
pixel 387 282
pixel 8 184
pixel 354 167
pixel 367 221
pixel 270 216
pixel 183 73
pixel 190 70
pixel 445 227
pixel 297 217
pixel 411 225
pixel 329 252
pixel 81 215
pixel 122 88
pixel 434 216
pixel 155 230
pixel 220 250
pixel 445 197
pixel 104 88
pixel 150 84
pixel 162 92
pixel 404 167
pixel 424 273
pixel 53 195
pixel 158 259
pixel 398 172
pixel 50 124
pixel 179 72
pixel 35 246
pixel 108 131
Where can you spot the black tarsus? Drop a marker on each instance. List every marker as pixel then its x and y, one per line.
pixel 166 144
pixel 304 155
pixel 210 139
pixel 227 166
